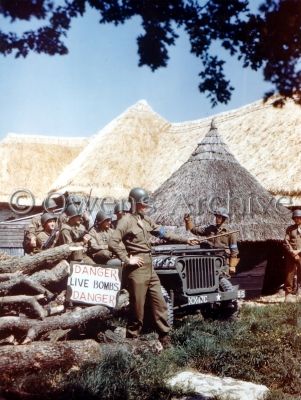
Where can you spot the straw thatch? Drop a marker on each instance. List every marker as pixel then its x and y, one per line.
pixel 33 162
pixel 140 148
pixel 121 156
pixel 211 178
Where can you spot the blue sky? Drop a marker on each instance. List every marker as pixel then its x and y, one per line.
pixel 78 94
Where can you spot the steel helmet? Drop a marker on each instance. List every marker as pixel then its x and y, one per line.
pixel 46 217
pixel 102 216
pixel 296 213
pixel 122 206
pixel 73 210
pixel 139 196
pixel 223 212
pixel 49 203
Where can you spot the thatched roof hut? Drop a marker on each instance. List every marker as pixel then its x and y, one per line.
pixel 33 162
pixel 212 177
pixel 140 148
pixel 120 156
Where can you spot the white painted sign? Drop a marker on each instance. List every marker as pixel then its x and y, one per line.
pixel 93 284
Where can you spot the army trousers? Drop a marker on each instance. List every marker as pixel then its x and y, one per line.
pixel 292 267
pixel 141 283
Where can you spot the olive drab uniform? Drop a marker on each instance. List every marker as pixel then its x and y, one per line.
pixel 74 235
pixel 42 238
pixel 98 248
pixel 132 238
pixel 31 231
pixel 227 242
pixel 292 241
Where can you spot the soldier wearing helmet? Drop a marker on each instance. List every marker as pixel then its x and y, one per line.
pixel 74 232
pixel 98 248
pixel 292 244
pixel 35 227
pixel 120 209
pixel 227 242
pixel 134 231
pixel 48 237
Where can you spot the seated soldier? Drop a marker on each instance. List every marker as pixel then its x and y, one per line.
pixel 35 227
pixel 49 235
pixel 227 242
pixel 121 208
pixel 74 232
pixel 100 234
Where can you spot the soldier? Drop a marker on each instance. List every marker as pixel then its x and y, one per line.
pixel 292 243
pixel 49 235
pixel 35 227
pixel 74 232
pixel 135 230
pixel 98 248
pixel 227 242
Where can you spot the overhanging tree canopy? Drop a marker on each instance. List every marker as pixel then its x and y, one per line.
pixel 269 38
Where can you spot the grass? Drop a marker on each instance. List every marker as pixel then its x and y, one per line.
pixel 263 346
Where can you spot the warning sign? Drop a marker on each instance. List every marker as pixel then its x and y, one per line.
pixel 93 284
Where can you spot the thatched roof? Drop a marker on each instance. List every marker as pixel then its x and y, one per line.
pixel 265 139
pixel 33 162
pixel 140 148
pixel 212 177
pixel 121 156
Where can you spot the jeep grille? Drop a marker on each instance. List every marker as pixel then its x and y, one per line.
pixel 200 274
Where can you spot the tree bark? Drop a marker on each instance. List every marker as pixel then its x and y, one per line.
pixel 28 264
pixel 40 356
pixel 24 301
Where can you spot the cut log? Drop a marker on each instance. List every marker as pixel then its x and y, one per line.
pixel 56 274
pixel 21 280
pixel 22 302
pixel 34 328
pixel 43 356
pixel 40 356
pixel 28 264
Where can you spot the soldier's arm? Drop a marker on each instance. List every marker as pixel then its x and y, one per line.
pixel 95 245
pixel 161 233
pixel 65 236
pixel 233 245
pixel 198 231
pixel 115 241
pixel 287 244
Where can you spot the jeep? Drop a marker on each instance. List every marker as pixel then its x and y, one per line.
pixel 196 277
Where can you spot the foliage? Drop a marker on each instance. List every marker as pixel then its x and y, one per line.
pixel 268 38
pixel 263 346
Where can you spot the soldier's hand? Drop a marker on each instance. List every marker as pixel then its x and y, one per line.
pixel 33 242
pixel 86 239
pixel 297 257
pixel 135 260
pixel 193 242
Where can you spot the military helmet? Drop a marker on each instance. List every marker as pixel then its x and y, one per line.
pixel 49 203
pixel 223 212
pixel 296 213
pixel 139 196
pixel 102 216
pixel 73 211
pixel 46 217
pixel 122 206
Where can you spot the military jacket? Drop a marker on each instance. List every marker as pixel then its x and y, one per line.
pixel 99 239
pixel 292 239
pixel 227 242
pixel 134 231
pixel 42 238
pixel 34 227
pixel 71 234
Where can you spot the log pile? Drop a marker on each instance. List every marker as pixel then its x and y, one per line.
pixel 33 298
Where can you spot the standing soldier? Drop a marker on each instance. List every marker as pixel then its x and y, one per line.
pixel 292 243
pixel 74 232
pixel 227 242
pixel 35 227
pixel 49 235
pixel 98 248
pixel 135 230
